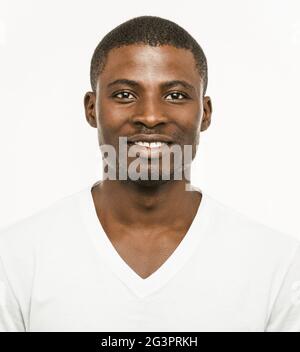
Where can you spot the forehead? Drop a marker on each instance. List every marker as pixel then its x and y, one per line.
pixel 150 64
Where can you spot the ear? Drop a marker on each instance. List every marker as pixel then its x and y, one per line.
pixel 89 106
pixel 207 111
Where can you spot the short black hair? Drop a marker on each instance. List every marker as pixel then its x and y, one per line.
pixel 149 30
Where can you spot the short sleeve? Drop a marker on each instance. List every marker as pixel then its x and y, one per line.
pixel 285 315
pixel 11 319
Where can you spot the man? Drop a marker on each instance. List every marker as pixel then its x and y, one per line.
pixel 135 253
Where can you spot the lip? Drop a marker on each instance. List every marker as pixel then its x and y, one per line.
pixel 149 138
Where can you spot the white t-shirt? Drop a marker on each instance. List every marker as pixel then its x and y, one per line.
pixel 60 272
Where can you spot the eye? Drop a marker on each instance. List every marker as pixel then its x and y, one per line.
pixel 176 96
pixel 124 95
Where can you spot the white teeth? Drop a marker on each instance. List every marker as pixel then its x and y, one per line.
pixel 150 145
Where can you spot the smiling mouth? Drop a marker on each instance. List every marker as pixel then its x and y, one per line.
pixel 150 149
pixel 150 145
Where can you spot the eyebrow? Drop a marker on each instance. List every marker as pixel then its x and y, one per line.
pixel 128 82
pixel 164 85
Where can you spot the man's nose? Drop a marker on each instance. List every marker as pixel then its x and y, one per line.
pixel 149 112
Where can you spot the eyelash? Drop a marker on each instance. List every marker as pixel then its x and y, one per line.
pixel 175 92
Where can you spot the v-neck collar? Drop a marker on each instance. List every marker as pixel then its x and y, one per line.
pixel 107 252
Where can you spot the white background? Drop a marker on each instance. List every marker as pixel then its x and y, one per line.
pixel 249 156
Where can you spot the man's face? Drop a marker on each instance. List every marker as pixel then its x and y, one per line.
pixel 151 91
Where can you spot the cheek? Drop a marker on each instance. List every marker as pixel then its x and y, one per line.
pixel 190 125
pixel 105 113
pixel 110 120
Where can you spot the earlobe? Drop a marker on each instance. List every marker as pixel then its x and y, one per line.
pixel 205 122
pixel 89 106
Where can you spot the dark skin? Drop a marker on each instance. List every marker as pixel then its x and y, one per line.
pixel 146 221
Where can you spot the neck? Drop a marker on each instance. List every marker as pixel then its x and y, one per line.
pixel 133 204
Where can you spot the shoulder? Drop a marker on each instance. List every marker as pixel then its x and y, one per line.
pixel 257 247
pixel 27 243
pixel 241 227
pixel 23 235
